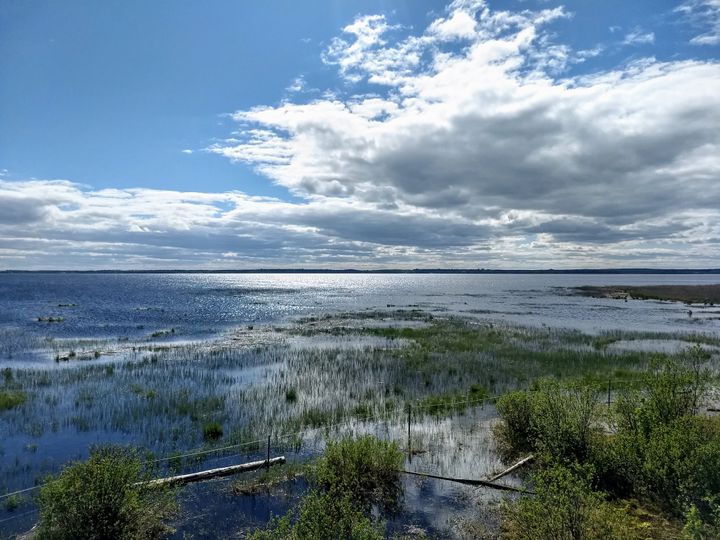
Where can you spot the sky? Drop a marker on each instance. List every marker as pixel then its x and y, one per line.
pixel 345 134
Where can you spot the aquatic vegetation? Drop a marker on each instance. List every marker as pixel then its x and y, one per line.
pixel 212 431
pixel 13 502
pixel 51 319
pixel 11 398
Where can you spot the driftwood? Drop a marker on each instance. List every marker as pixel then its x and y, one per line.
pixel 519 464
pixel 470 482
pixel 215 473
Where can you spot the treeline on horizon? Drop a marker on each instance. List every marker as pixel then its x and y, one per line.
pixel 383 271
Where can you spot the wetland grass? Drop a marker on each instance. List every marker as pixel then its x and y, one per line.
pixel 164 397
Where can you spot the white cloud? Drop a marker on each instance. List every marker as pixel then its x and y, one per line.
pixel 638 36
pixel 704 14
pixel 496 127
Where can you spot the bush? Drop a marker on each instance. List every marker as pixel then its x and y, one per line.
pixel 565 507
pixel 366 468
pixel 103 497
pixel 670 391
pixel 552 419
pixel 291 395
pixel 661 451
pixel 323 516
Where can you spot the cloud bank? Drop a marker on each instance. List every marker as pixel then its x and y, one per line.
pixel 469 143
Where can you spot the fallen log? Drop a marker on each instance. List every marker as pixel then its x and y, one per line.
pixel 507 471
pixel 215 473
pixel 470 482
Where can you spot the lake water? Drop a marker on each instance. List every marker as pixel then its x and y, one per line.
pixel 200 305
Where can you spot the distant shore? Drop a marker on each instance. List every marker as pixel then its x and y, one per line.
pixel 384 271
pixel 690 294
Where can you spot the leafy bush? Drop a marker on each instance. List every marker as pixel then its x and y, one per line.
pixel 323 516
pixel 352 475
pixel 661 451
pixel 366 468
pixel 565 507
pixel 552 419
pixel 103 497
pixel 671 390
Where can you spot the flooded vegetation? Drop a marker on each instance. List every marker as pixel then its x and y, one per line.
pixel 426 380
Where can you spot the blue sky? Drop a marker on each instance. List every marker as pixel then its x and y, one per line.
pixel 146 98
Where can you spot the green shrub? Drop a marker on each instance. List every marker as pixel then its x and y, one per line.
pixel 681 464
pixel 212 431
pixel 366 468
pixel 514 435
pixel 291 395
pixel 103 497
pixel 671 389
pixel 323 516
pixel 660 450
pixel 565 507
pixel 11 398
pixel 552 419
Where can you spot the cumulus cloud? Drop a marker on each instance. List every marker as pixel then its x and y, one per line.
pixel 468 143
pixel 498 126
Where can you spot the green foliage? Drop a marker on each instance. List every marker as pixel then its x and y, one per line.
pixel 697 528
pixel 366 467
pixel 291 395
pixel 351 477
pixel 12 502
pixel 661 451
pixel 11 398
pixel 552 419
pixel 212 431
pixel 323 516
pixel 103 497
pixel 672 389
pixel 565 507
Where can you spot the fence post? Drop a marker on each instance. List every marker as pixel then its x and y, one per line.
pixel 267 463
pixel 609 392
pixel 409 444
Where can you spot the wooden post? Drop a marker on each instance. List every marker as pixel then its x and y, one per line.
pixel 608 392
pixel 268 453
pixel 409 441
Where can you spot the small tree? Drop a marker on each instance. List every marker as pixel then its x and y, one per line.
pixel 104 497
